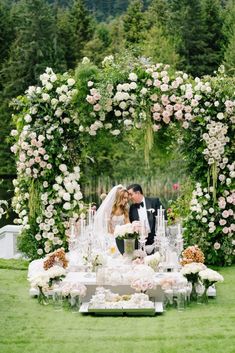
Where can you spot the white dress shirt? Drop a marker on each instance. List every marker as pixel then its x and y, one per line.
pixel 142 211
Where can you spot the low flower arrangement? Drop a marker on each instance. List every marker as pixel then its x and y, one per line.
pixel 192 254
pixel 56 257
pixel 198 273
pixel 94 260
pixel 208 277
pixel 141 285
pixel 153 260
pixel 43 281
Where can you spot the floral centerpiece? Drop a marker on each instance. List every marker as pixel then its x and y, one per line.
pixel 153 260
pixel 45 279
pixel 192 254
pixel 57 257
pixel 128 233
pixel 191 272
pixel 94 260
pixel 208 277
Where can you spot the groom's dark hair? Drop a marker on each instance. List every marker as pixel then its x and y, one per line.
pixel 135 187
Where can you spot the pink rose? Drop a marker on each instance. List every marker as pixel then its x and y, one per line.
pixel 225 230
pixel 222 222
pixel 97 107
pixel 225 214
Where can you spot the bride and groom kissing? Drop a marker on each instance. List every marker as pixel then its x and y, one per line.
pixel 115 210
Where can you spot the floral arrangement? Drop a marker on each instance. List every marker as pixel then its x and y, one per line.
pixel 94 260
pixel 153 260
pixel 192 254
pixel 126 231
pixel 105 299
pixel 209 277
pixel 73 289
pixel 54 118
pixel 56 257
pixel 142 285
pixel 44 281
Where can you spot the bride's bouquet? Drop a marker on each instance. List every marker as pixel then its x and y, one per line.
pixel 126 231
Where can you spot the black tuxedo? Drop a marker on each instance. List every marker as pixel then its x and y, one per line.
pixel 152 205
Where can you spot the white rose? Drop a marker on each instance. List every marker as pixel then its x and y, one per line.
pixel 45 97
pixel 70 82
pixel 67 206
pixel 27 118
pixel 66 196
pixel 63 168
pixel 133 77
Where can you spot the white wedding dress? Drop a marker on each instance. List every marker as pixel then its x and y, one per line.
pixel 102 219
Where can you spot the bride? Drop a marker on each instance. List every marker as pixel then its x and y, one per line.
pixel 113 211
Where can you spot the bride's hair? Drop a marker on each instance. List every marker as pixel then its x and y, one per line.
pixel 118 202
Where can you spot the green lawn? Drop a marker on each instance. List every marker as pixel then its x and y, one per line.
pixel 27 327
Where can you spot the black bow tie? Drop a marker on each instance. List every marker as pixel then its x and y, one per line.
pixel 138 205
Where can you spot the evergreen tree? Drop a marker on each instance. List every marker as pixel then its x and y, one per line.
pixel 158 13
pixel 134 23
pixel 6 32
pixel 33 48
pixel 229 33
pixel 100 45
pixel 214 38
pixel 159 47
pixel 229 56
pixel 81 30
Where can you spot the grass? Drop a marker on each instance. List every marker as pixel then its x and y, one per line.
pixel 25 326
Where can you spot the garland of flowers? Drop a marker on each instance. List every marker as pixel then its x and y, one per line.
pixel 53 119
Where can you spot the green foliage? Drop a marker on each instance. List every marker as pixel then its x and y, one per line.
pixel 81 28
pixel 159 47
pixel 134 23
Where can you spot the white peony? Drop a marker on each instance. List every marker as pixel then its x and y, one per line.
pixel 133 77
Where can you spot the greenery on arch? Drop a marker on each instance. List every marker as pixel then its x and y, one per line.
pixel 55 121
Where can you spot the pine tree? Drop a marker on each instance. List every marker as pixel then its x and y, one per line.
pixel 229 33
pixel 134 23
pixel 214 38
pixel 81 30
pixel 159 47
pixel 33 48
pixel 6 32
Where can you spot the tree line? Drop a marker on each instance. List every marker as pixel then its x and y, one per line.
pixel 195 36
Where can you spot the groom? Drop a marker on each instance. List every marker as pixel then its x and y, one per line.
pixel 143 209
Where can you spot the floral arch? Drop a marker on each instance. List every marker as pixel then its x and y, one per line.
pixel 52 120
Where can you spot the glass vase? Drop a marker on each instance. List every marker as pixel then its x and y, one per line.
pixel 75 304
pixel 42 298
pixel 129 246
pixel 193 294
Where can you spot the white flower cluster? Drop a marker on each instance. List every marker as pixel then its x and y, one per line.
pixel 122 230
pixel 41 279
pixel 192 268
pixel 210 276
pixel 216 141
pixel 152 260
pixel 105 299
pixel 72 288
